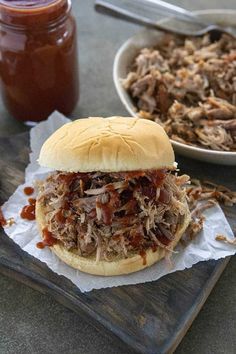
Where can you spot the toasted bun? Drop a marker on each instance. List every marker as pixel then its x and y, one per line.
pixel 120 266
pixel 108 145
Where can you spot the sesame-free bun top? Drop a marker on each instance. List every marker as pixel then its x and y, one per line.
pixel 108 145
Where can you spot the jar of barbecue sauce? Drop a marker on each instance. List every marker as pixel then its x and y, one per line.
pixel 38 58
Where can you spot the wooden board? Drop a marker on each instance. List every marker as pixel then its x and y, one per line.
pixel 151 318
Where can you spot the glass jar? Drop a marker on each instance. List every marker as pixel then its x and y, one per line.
pixel 38 58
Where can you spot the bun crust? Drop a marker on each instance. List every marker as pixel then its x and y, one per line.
pixel 120 266
pixel 111 144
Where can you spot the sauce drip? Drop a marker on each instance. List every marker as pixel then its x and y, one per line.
pixel 154 248
pixel 136 239
pixel 48 239
pixel 3 221
pixel 144 256
pixel 32 201
pixel 28 211
pixel 28 190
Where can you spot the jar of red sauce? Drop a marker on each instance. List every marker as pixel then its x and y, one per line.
pixel 38 58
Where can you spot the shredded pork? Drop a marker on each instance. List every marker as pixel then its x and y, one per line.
pixel 189 87
pixel 116 214
pixel 202 196
pixel 226 239
pixel 113 214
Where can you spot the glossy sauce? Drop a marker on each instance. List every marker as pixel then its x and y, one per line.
pixel 154 247
pixel 38 58
pixel 28 211
pixel 28 190
pixel 136 239
pixel 144 256
pixel 48 239
pixel 3 221
pixel 32 201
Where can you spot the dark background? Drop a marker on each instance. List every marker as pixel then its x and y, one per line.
pixel 31 322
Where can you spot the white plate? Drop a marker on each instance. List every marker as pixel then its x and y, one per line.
pixel 148 38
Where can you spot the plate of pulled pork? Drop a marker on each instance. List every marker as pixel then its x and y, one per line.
pixel 186 84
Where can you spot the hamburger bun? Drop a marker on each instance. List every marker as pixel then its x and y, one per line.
pixel 112 144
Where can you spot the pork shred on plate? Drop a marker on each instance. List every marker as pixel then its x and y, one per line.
pixel 189 87
pixel 202 196
pixel 111 214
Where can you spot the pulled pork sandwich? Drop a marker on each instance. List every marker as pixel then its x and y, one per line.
pixel 115 204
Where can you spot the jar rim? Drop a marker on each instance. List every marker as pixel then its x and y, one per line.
pixel 36 16
pixel 32 8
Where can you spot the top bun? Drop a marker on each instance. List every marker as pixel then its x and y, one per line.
pixel 108 145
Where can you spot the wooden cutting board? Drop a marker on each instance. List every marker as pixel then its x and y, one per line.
pixel 152 317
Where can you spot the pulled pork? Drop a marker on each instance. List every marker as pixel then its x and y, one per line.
pixel 189 87
pixel 114 214
pixel 202 196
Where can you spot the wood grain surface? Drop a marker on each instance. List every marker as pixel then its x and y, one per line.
pixel 152 317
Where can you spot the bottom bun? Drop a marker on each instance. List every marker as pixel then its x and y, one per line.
pixel 132 264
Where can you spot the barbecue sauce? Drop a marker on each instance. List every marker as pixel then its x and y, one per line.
pixel 28 190
pixel 143 254
pixel 38 58
pixel 136 239
pixel 154 247
pixel 48 239
pixel 28 211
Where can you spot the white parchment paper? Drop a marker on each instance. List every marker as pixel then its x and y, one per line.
pixel 25 233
